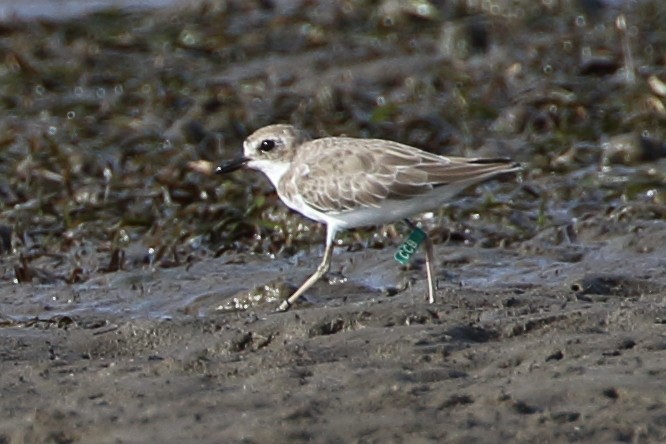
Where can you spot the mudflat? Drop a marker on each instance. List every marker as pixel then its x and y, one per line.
pixel 138 291
pixel 568 351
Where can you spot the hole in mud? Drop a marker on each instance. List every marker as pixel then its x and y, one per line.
pixel 328 328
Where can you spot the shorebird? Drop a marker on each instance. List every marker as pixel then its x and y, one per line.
pixel 347 182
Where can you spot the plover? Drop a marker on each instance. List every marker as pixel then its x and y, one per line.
pixel 346 182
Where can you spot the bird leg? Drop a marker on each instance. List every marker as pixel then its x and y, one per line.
pixel 321 270
pixel 430 260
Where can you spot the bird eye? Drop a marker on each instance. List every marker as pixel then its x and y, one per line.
pixel 267 145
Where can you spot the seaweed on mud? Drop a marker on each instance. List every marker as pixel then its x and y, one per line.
pixel 112 125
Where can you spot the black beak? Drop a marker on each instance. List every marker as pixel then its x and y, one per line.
pixel 232 165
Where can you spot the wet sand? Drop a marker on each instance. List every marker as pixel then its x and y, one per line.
pixel 577 357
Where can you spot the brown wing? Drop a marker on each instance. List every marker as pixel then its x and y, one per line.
pixel 340 174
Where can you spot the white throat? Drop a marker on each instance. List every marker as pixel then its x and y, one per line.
pixel 273 169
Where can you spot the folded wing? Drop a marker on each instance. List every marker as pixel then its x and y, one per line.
pixel 365 176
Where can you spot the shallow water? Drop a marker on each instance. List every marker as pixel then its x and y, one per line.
pixel 630 266
pixel 67 9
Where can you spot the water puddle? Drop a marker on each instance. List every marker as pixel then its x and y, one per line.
pixel 620 266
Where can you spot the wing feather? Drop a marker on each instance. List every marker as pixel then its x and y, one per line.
pixel 342 174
